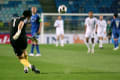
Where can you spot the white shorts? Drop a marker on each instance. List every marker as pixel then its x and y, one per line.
pixel 59 32
pixel 90 34
pixel 100 33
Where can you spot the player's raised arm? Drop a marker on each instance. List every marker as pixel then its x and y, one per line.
pixel 17 34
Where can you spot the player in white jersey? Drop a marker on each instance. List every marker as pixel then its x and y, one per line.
pixel 90 27
pixel 59 25
pixel 101 30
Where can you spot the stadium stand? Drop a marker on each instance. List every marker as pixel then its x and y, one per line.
pixel 83 6
pixel 10 7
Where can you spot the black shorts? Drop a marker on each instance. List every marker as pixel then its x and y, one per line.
pixel 19 45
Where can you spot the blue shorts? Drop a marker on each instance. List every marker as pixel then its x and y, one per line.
pixel 35 35
pixel 116 34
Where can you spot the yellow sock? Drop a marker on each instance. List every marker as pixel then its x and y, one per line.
pixel 25 62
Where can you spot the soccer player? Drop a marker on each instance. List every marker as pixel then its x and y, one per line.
pixel 115 25
pixel 109 31
pixel 90 26
pixel 18 40
pixel 35 31
pixel 59 24
pixel 101 30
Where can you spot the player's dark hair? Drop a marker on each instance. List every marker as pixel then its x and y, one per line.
pixel 27 13
pixel 115 15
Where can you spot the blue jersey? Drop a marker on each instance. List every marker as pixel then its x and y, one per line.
pixel 35 24
pixel 115 25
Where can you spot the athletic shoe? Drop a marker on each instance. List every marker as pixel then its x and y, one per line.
pixel 116 48
pixel 25 69
pixel 101 47
pixel 31 54
pixel 34 69
pixel 38 54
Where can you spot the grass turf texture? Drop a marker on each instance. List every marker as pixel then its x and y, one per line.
pixel 63 63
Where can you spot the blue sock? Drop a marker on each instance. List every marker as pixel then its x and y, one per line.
pixel 115 43
pixel 37 48
pixel 32 48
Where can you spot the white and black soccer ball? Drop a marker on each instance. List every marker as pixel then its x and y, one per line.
pixel 62 9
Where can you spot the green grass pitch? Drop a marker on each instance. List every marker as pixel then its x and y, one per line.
pixel 63 63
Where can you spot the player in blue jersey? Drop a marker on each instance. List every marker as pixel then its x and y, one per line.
pixel 115 25
pixel 35 31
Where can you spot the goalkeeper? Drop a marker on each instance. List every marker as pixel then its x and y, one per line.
pixel 18 40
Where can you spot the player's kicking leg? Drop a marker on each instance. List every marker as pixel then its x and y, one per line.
pixel 24 60
pixel 88 44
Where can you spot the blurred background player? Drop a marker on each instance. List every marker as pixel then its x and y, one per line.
pixel 101 30
pixel 59 25
pixel 115 25
pixel 109 31
pixel 90 23
pixel 35 31
pixel 18 40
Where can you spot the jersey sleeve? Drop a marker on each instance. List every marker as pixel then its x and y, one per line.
pixel 24 20
pixel 39 18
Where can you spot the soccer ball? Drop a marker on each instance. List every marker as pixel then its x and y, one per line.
pixel 62 9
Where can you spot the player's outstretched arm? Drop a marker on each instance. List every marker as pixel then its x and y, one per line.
pixel 17 34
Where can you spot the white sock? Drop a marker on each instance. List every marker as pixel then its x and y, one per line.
pixel 88 45
pixel 93 45
pixel 25 68
pixel 30 66
pixel 56 42
pixel 62 42
pixel 100 43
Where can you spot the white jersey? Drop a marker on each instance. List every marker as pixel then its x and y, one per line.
pixel 90 26
pixel 59 24
pixel 101 27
